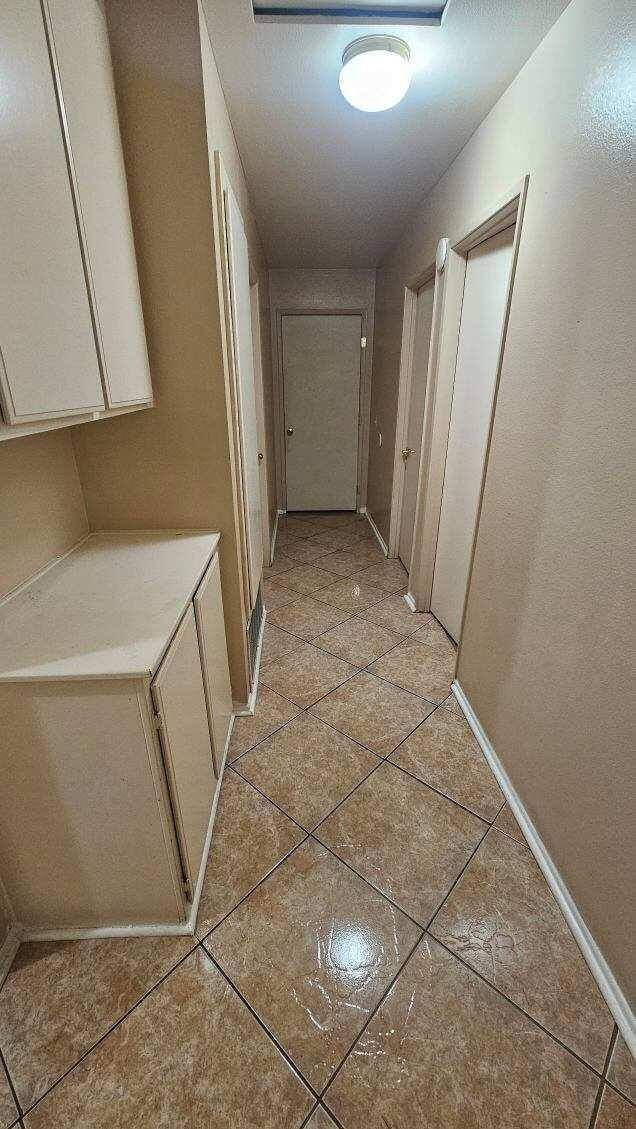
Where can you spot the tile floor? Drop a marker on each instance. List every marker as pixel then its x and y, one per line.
pixel 376 947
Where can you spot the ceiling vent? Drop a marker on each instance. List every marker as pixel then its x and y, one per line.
pixel 414 12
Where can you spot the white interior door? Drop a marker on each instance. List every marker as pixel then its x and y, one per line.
pixel 483 308
pixel 238 256
pixel 421 344
pixel 321 369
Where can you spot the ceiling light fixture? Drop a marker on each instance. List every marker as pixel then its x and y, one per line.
pixel 376 72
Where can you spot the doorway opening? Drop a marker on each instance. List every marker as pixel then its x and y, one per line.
pixel 320 436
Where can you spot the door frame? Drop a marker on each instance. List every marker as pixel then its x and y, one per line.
pixel 364 396
pixel 405 385
pixel 255 308
pixel 447 309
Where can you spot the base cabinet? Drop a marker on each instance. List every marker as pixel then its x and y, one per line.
pixel 109 783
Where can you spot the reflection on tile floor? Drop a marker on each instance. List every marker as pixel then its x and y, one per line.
pixel 319 992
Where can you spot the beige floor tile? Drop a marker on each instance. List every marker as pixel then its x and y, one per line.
pixel 502 919
pixel 270 713
pixel 306 552
pixel 419 668
pixel 190 1055
pixel 8 1111
pixel 390 575
pixel 373 712
pixel 445 1051
pixel 338 520
pixel 444 753
pixel 279 565
pixel 250 837
pixel 337 538
pixel 298 523
pixel 506 821
pixel 306 578
pixel 451 703
pixel 312 951
pixel 275 594
pixel 277 643
pixel 320 1119
pixel 350 595
pixel 305 675
pixel 307 617
pixel 394 614
pixel 307 768
pixel 60 997
pixel 432 632
pixel 358 641
pixel 346 562
pixel 615 1112
pixel 405 839
pixel 285 537
pixel 622 1071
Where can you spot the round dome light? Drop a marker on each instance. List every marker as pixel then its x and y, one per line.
pixel 376 72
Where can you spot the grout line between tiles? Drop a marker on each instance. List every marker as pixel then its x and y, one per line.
pixel 268 798
pixel 516 1006
pixel 309 1116
pixel 601 1085
pixel 118 1022
pixel 371 1015
pixel 283 1052
pixel 14 1093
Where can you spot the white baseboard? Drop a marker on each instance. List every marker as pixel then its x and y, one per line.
pixel 246 709
pixel 610 990
pixel 272 545
pixel 380 539
pixel 8 949
pixel 409 600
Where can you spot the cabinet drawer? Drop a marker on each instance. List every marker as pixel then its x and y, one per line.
pixel 179 698
pixel 208 609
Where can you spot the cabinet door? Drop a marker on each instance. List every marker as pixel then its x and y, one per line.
pixel 48 358
pixel 208 608
pixel 179 698
pixel 79 37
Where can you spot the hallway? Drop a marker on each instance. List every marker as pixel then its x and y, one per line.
pixel 374 938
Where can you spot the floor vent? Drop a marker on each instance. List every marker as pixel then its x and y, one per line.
pixel 254 630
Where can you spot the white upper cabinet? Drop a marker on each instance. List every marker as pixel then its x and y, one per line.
pixel 81 50
pixel 72 339
pixel 49 362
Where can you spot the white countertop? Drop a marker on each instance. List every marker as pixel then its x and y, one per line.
pixel 106 610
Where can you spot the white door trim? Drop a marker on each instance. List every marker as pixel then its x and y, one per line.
pixel 441 375
pixel 598 966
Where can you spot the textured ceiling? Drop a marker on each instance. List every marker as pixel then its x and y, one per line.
pixel 333 187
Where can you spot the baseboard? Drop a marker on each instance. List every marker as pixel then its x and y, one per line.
pixel 380 539
pixel 409 600
pixel 610 990
pixel 272 544
pixel 8 949
pixel 246 709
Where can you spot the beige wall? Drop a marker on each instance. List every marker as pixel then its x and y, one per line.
pixel 170 466
pixel 324 289
pixel 546 642
pixel 42 510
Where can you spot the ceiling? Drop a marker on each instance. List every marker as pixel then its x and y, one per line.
pixel 334 187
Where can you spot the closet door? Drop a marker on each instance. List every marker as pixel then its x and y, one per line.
pixel 48 358
pixel 79 39
pixel 238 257
pixel 179 698
pixel 208 610
pixel 483 308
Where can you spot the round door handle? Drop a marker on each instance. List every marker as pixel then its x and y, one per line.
pixel 290 431
pixel 260 456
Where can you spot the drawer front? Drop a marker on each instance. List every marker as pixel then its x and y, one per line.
pixel 179 698
pixel 208 609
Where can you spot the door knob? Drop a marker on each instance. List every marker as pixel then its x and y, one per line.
pixel 290 431
pixel 406 451
pixel 260 456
